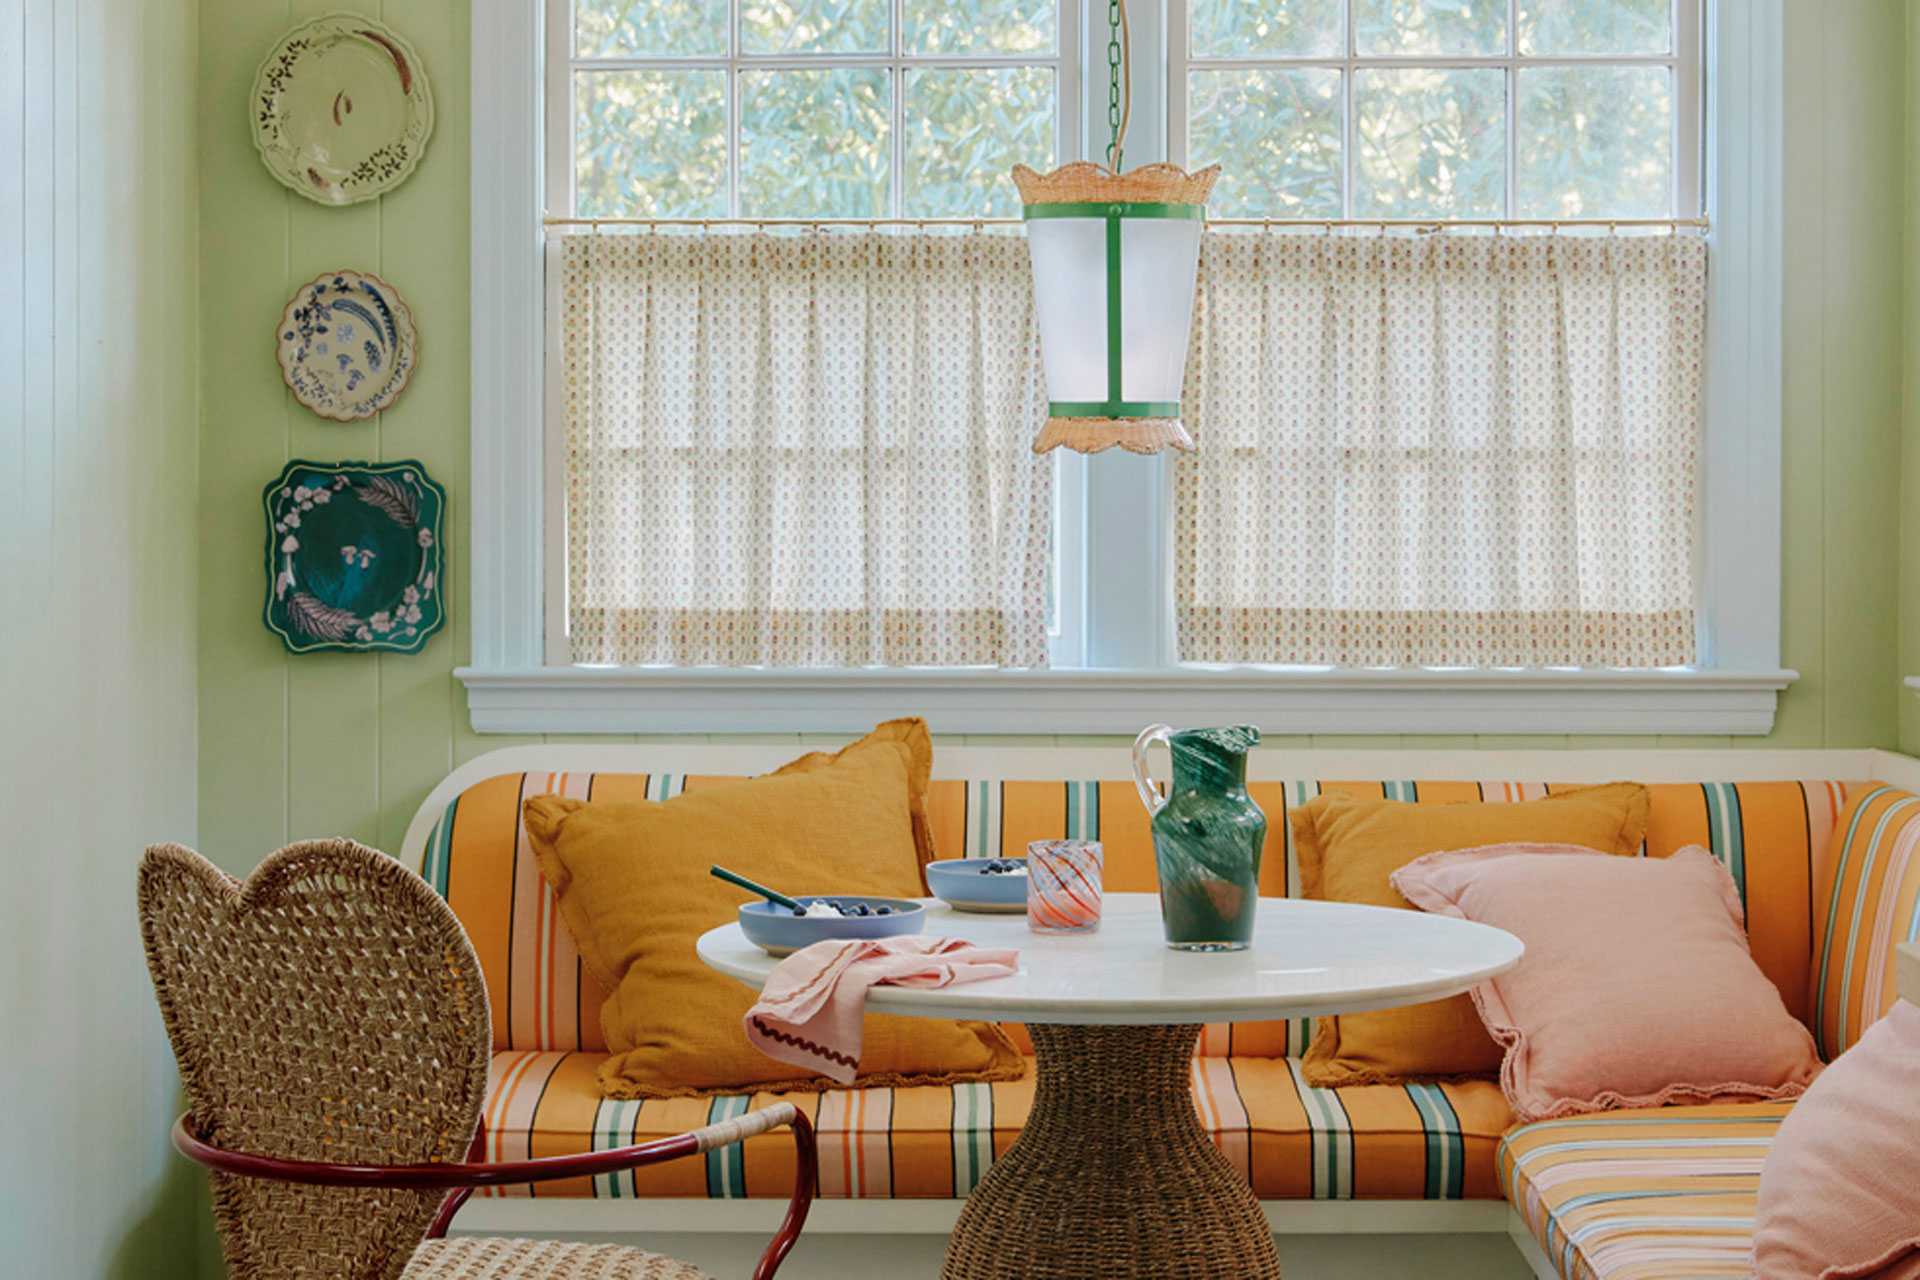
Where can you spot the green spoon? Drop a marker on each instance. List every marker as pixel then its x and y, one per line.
pixel 777 899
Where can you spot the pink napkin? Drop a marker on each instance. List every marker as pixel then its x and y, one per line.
pixel 809 1012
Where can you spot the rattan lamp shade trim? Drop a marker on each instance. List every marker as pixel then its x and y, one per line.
pixel 1083 182
pixel 1097 435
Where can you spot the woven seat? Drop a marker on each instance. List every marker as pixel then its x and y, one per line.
pixel 479 1259
pixel 332 1029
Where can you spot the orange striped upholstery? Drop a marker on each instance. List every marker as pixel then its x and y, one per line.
pixel 1810 859
pixel 1771 835
pixel 1293 1142
pixel 1869 900
pixel 1667 1194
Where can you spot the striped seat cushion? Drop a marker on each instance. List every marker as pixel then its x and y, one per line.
pixel 1416 1142
pixel 1868 900
pixel 1770 835
pixel 1665 1194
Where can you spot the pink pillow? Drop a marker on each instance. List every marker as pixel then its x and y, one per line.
pixel 1637 988
pixel 1840 1191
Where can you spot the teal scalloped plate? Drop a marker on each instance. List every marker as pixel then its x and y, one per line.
pixel 353 556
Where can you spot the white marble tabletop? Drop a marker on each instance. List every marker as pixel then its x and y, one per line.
pixel 1308 959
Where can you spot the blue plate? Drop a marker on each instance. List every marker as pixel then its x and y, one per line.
pixel 779 932
pixel 963 884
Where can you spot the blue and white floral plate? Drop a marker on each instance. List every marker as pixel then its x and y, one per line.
pixel 347 345
pixel 353 556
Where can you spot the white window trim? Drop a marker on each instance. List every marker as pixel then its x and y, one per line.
pixel 509 690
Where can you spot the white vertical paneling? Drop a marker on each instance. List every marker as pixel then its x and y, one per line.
pixel 98 489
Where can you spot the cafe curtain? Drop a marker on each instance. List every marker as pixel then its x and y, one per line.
pixel 803 450
pixel 1442 449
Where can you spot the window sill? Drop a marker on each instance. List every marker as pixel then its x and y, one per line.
pixel 612 700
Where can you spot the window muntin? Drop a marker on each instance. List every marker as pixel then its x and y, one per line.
pixel 1474 109
pixel 833 109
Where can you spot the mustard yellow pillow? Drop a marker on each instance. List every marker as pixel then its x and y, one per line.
pixel 632 883
pixel 1348 846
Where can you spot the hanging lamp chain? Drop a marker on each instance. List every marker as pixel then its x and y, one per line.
pixel 1119 69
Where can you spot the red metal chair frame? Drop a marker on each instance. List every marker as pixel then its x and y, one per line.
pixel 462 1179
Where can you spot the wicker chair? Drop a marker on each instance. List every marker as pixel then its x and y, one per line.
pixel 332 1030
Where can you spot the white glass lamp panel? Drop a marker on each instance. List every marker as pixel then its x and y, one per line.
pixel 1070 300
pixel 1159 258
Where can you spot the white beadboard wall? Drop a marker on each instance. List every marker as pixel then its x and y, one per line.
pixel 98 585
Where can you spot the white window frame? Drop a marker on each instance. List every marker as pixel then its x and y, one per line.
pixel 1128 586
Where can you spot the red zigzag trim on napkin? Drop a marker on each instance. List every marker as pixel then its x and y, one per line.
pixel 802 1044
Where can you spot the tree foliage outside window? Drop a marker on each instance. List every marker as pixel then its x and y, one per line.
pixel 1438 108
pixel 810 108
pixel 1313 108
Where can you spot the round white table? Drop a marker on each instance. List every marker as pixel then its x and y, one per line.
pixel 1114 1174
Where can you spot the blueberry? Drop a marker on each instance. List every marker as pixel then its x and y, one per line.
pixel 884 911
pixel 861 910
pixel 800 911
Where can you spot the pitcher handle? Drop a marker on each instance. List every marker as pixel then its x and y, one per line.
pixel 1149 794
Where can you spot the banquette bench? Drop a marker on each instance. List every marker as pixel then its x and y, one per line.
pixel 1821 844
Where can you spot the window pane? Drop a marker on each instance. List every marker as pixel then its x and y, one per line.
pixel 966 128
pixel 1430 26
pixel 1595 142
pixel 650 144
pixel 813 144
pixel 979 26
pixel 1276 136
pixel 649 28
pixel 1432 143
pixel 1594 26
pixel 813 26
pixel 1238 29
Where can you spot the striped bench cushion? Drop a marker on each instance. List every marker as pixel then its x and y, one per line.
pixel 1433 1142
pixel 1771 835
pixel 1666 1194
pixel 1869 900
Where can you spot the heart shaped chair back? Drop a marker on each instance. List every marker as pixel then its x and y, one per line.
pixel 330 1009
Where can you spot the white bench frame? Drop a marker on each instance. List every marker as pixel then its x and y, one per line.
pixel 855 1218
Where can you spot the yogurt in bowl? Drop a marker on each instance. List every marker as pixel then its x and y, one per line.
pixel 777 931
pixel 980 884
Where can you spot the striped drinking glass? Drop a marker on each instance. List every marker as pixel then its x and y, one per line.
pixel 1063 886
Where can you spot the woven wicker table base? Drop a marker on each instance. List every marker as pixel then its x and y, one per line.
pixel 1113 1175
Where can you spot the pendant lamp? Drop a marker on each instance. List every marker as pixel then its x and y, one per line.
pixel 1115 256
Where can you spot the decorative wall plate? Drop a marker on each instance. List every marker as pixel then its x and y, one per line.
pixel 353 556
pixel 341 109
pixel 347 345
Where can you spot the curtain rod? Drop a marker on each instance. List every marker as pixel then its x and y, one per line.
pixel 1436 224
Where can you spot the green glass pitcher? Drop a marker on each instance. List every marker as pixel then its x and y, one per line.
pixel 1208 836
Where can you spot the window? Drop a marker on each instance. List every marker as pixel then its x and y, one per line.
pixel 1468 109
pixel 1381 109
pixel 781 109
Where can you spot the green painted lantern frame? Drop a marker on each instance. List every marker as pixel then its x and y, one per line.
pixel 1114 213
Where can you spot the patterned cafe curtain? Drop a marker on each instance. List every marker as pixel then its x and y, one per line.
pixel 803 450
pixel 1441 449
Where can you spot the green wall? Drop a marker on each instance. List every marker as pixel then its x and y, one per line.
pixel 1909 592
pixel 1846 149
pixel 98 364
pixel 349 744
pixel 325 744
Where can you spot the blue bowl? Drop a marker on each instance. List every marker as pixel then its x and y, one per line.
pixel 962 883
pixel 777 931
